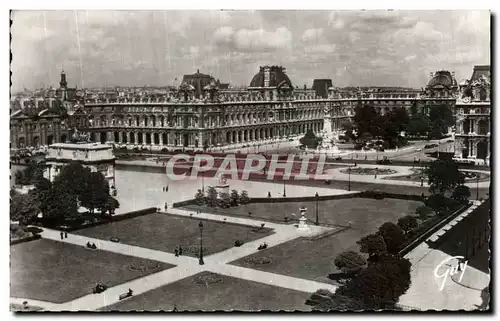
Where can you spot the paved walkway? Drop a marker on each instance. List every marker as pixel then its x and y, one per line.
pixel 35 303
pixel 189 266
pixel 424 292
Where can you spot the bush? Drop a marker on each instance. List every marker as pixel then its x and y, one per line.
pixel 424 212
pixel 199 197
pixel 372 244
pixel 244 199
pixel 238 243
pixel 349 261
pixel 234 198
pixel 407 223
pixel 224 201
pixel 461 193
pixel 393 236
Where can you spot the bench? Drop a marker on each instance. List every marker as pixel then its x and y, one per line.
pixel 124 296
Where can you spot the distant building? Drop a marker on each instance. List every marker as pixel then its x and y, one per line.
pixel 36 122
pixel 473 116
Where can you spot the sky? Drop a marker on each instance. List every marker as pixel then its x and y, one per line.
pixel 153 48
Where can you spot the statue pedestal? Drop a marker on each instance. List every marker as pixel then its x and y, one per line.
pixel 303 223
pixel 222 189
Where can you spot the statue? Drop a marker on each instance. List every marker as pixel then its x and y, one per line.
pixel 78 138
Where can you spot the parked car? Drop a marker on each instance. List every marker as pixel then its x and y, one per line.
pixel 428 146
pixel 384 161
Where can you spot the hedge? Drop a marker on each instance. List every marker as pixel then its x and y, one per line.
pixel 25 239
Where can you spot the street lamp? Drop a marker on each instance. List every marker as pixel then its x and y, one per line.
pixel 317 216
pixel 284 186
pixel 200 225
pixel 349 171
pixel 477 186
pixel 202 183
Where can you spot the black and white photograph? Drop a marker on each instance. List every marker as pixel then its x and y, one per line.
pixel 250 160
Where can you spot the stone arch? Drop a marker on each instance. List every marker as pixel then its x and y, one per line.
pixel 132 138
pixel 117 137
pixel 64 138
pixel 137 121
pixel 482 127
pixel 482 149
pixel 124 137
pixel 156 138
pixel 21 142
pixel 148 138
pixel 165 138
pixel 102 137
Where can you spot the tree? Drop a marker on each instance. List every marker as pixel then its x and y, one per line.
pixel 211 196
pixel 393 236
pixel 95 192
pixel 199 197
pixel 235 198
pixel 423 212
pixel 407 223
pixel 73 178
pixel 364 116
pixel 444 176
pixel 418 125
pixel 244 199
pixel 440 118
pixel 61 205
pixel 224 201
pixel 382 282
pixel 23 208
pixel 29 175
pixel 349 262
pixel 111 205
pixel 348 127
pixel 41 193
pixel 461 193
pixel 372 244
pixel 310 140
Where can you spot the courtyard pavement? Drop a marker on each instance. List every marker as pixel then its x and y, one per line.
pixel 139 190
pixel 188 266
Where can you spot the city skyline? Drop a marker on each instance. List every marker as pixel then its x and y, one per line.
pixel 125 48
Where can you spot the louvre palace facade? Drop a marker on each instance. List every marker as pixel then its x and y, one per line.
pixel 203 113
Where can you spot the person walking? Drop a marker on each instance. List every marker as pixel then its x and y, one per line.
pixel 66 235
pixel 176 252
pixel 62 235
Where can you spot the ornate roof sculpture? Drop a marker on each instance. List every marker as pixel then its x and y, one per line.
pixel 271 77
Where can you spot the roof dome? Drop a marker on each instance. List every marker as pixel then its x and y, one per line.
pixel 442 79
pixel 271 76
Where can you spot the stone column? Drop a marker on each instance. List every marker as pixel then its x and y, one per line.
pixel 144 138
pixel 161 138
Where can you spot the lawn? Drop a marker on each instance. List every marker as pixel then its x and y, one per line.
pixel 337 212
pixel 57 272
pixel 313 259
pixel 164 232
pixel 222 293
